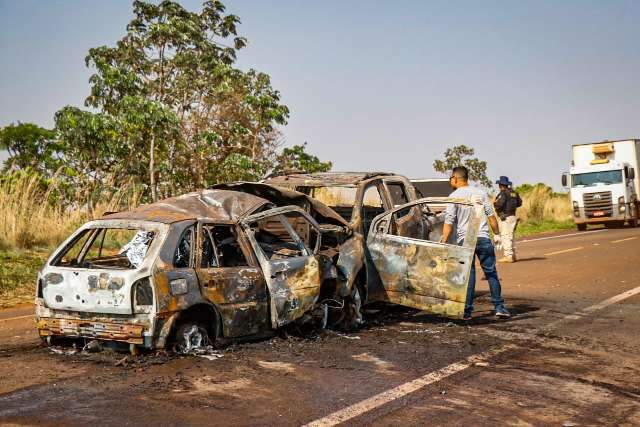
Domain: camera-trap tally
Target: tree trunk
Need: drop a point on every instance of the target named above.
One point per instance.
(152, 172)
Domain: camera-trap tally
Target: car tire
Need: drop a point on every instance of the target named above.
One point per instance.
(191, 336)
(581, 227)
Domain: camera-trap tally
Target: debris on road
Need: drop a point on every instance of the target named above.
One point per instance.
(93, 346)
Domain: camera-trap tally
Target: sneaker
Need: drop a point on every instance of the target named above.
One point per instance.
(502, 313)
(466, 317)
(506, 259)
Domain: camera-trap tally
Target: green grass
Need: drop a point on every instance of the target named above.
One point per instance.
(18, 272)
(545, 226)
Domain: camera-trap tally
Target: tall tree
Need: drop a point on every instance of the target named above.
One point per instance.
(184, 61)
(92, 150)
(461, 155)
(297, 159)
(29, 147)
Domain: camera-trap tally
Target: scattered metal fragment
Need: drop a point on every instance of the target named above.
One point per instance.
(93, 346)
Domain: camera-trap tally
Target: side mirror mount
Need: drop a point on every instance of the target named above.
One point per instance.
(632, 173)
(564, 180)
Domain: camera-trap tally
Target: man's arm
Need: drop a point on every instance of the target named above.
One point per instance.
(446, 232)
(450, 216)
(493, 222)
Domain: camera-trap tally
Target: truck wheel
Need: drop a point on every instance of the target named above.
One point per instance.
(636, 214)
(581, 227)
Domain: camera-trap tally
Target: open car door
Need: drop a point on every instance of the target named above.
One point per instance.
(286, 241)
(422, 273)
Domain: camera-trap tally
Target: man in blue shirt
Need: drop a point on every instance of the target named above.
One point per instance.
(459, 215)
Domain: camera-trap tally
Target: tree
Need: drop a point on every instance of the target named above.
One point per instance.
(297, 159)
(170, 113)
(460, 155)
(29, 147)
(92, 152)
(182, 62)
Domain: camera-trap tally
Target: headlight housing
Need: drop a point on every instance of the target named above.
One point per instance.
(576, 209)
(142, 296)
(621, 205)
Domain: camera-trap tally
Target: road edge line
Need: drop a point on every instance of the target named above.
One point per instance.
(402, 390)
(371, 403)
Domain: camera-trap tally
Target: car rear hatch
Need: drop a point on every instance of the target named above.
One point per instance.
(95, 269)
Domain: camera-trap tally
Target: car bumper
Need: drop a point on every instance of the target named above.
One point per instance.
(136, 330)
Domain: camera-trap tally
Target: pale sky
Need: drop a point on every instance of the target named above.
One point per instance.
(376, 85)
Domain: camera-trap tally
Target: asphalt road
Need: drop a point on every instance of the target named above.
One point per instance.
(570, 356)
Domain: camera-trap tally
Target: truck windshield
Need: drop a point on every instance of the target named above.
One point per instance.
(595, 178)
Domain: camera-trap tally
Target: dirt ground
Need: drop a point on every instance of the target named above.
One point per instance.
(570, 356)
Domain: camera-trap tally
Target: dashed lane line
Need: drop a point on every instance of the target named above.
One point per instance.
(624, 240)
(564, 251)
(402, 390)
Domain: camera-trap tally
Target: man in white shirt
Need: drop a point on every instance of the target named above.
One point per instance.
(459, 215)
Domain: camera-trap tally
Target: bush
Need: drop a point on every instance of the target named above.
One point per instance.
(540, 204)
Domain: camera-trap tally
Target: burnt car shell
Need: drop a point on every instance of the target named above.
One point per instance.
(232, 263)
(394, 253)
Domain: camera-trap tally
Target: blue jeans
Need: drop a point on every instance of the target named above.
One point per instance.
(487, 257)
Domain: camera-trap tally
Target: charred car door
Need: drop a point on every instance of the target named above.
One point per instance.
(422, 273)
(230, 281)
(286, 241)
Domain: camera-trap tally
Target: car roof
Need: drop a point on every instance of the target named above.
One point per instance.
(323, 179)
(281, 196)
(217, 205)
(428, 179)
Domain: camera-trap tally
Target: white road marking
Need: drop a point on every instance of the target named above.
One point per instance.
(15, 318)
(612, 300)
(624, 240)
(586, 311)
(402, 390)
(564, 251)
(562, 235)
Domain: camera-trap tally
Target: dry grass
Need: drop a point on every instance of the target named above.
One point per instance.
(541, 204)
(31, 225)
(543, 211)
(29, 220)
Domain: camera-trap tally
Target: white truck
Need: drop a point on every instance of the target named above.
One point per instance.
(604, 183)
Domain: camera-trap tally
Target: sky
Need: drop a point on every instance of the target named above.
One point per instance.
(376, 85)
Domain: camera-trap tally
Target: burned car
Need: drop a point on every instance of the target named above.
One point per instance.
(393, 253)
(205, 266)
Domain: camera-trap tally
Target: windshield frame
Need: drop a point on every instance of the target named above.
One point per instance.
(161, 231)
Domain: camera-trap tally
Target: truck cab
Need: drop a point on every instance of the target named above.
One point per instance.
(603, 183)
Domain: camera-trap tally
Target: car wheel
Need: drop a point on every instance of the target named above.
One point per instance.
(191, 336)
(581, 227)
